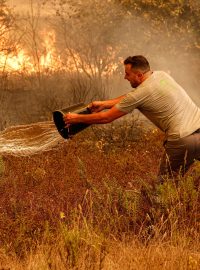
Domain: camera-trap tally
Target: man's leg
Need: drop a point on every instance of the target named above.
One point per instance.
(178, 156)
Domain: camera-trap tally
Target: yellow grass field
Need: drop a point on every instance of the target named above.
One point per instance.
(91, 203)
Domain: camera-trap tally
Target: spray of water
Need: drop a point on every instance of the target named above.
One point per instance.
(31, 139)
(170, 43)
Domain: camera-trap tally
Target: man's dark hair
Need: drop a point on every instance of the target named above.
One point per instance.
(138, 62)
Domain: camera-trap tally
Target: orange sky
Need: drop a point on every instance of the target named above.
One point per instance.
(21, 6)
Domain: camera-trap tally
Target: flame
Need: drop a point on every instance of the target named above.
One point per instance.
(19, 62)
(50, 60)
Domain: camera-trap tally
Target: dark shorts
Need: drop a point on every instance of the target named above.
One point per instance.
(179, 155)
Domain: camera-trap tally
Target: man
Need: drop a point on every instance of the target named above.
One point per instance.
(162, 101)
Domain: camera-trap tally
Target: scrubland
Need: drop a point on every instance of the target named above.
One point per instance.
(92, 203)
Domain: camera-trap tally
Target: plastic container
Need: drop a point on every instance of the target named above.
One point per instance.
(67, 133)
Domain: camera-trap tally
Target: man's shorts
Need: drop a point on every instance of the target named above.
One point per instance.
(179, 155)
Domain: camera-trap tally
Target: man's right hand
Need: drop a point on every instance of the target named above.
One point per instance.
(97, 106)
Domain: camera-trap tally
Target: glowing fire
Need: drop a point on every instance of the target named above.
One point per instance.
(22, 62)
(50, 60)
(18, 62)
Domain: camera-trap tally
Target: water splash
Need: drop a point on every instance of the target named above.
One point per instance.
(30, 139)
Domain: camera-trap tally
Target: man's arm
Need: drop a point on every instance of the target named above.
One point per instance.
(94, 118)
(97, 106)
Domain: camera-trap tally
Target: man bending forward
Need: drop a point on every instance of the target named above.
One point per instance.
(164, 102)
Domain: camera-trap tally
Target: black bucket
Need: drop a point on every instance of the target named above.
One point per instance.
(66, 133)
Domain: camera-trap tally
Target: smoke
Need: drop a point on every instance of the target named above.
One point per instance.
(169, 45)
(98, 35)
(168, 39)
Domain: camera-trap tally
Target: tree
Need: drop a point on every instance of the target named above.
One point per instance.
(167, 32)
(87, 43)
(6, 47)
(6, 24)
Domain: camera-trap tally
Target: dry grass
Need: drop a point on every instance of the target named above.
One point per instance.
(117, 256)
(89, 204)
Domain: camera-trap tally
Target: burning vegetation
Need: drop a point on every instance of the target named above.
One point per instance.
(90, 203)
(58, 54)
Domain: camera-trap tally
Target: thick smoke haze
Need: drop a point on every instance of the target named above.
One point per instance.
(165, 47)
(103, 34)
(169, 48)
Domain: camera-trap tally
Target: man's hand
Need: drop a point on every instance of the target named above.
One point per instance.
(71, 118)
(97, 106)
(93, 118)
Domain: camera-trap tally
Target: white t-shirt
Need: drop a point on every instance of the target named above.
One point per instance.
(165, 103)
